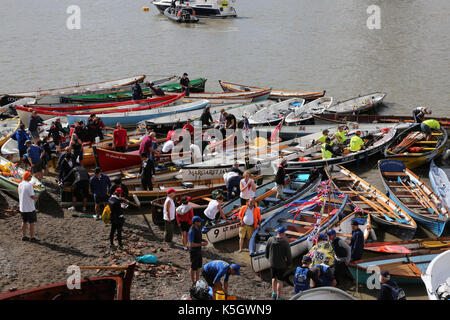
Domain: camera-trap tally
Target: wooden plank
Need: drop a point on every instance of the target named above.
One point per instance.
(298, 234)
(304, 223)
(347, 235)
(394, 174)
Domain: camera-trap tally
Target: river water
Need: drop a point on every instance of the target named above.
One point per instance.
(290, 44)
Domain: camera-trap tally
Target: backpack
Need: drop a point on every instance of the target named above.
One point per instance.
(216, 192)
(106, 215)
(397, 292)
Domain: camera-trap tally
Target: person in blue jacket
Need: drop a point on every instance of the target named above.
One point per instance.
(100, 187)
(357, 242)
(214, 271)
(322, 276)
(302, 275)
(21, 137)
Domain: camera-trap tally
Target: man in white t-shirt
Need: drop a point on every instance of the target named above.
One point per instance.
(248, 188)
(168, 146)
(26, 206)
(196, 153)
(169, 215)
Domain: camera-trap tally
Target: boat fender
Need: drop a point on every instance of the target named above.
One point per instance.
(149, 258)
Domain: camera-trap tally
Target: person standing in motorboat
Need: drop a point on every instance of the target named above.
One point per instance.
(185, 84)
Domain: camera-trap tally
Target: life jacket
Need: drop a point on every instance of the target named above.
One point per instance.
(301, 279)
(325, 153)
(323, 253)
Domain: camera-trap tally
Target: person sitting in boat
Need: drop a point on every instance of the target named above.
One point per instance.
(137, 92)
(322, 252)
(389, 290)
(419, 114)
(327, 151)
(157, 91)
(322, 137)
(357, 242)
(322, 276)
(214, 210)
(340, 135)
(214, 271)
(356, 143)
(428, 125)
(206, 118)
(185, 84)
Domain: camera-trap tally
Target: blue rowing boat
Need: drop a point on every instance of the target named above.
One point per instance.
(412, 195)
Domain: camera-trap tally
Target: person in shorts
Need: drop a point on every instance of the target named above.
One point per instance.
(184, 214)
(100, 188)
(250, 217)
(196, 243)
(27, 207)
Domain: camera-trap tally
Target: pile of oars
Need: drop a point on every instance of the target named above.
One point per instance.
(411, 139)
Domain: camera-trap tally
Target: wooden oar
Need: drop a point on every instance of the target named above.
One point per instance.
(401, 220)
(427, 199)
(373, 205)
(418, 199)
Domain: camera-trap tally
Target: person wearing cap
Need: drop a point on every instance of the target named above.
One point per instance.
(120, 138)
(184, 215)
(250, 217)
(146, 172)
(34, 124)
(356, 143)
(280, 178)
(322, 276)
(278, 252)
(389, 289)
(80, 185)
(27, 197)
(196, 243)
(169, 215)
(117, 217)
(322, 252)
(117, 183)
(342, 255)
(419, 114)
(427, 126)
(357, 242)
(302, 275)
(214, 271)
(100, 187)
(21, 137)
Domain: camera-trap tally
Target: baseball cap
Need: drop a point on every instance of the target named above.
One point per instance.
(323, 236)
(281, 229)
(197, 219)
(171, 190)
(385, 274)
(355, 223)
(236, 268)
(119, 190)
(331, 232)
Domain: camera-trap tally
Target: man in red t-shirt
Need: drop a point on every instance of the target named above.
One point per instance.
(120, 139)
(188, 127)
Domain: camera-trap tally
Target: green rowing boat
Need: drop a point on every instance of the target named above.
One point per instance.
(198, 85)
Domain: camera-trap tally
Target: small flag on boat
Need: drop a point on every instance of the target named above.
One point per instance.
(276, 132)
(247, 131)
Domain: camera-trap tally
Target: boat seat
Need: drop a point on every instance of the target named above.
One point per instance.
(303, 223)
(289, 191)
(394, 174)
(294, 233)
(272, 200)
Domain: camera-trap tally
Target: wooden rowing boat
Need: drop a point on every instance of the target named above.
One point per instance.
(300, 224)
(93, 288)
(7, 128)
(304, 114)
(384, 211)
(373, 118)
(436, 277)
(358, 104)
(412, 195)
(297, 186)
(255, 95)
(439, 179)
(414, 149)
(275, 94)
(403, 268)
(24, 112)
(10, 177)
(8, 98)
(408, 246)
(273, 114)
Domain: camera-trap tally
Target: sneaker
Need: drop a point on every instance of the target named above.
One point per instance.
(25, 239)
(274, 296)
(34, 240)
(72, 208)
